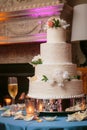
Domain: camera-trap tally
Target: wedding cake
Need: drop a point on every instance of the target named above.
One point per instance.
(55, 74)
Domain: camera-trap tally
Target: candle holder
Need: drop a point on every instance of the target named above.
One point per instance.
(7, 100)
(40, 105)
(30, 107)
(36, 107)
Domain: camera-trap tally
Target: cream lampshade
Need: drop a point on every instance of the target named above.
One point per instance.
(79, 23)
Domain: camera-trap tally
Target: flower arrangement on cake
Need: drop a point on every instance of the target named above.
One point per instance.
(59, 77)
(57, 22)
(36, 60)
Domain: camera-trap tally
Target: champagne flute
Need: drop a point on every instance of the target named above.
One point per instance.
(12, 88)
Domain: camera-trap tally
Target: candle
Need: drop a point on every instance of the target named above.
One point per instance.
(7, 100)
(30, 110)
(40, 107)
(29, 107)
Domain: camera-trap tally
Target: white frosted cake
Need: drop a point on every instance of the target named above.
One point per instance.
(55, 74)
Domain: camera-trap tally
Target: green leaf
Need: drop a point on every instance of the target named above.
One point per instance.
(39, 61)
(76, 77)
(44, 78)
(56, 23)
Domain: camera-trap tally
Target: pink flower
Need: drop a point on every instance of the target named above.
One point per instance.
(57, 22)
(50, 24)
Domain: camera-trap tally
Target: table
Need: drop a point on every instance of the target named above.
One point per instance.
(8, 123)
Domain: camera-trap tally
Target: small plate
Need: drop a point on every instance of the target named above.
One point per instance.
(26, 118)
(48, 118)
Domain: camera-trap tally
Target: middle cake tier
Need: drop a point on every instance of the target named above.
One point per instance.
(50, 69)
(56, 53)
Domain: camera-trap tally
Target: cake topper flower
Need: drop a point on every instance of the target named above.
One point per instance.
(36, 60)
(57, 22)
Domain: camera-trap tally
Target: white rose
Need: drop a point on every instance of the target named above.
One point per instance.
(57, 74)
(61, 84)
(65, 75)
(63, 22)
(36, 58)
(65, 26)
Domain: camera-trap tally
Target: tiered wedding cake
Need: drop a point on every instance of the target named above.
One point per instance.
(55, 74)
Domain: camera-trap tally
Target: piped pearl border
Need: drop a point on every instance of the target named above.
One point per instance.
(55, 97)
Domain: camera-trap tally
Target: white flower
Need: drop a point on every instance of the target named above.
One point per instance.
(57, 22)
(65, 75)
(36, 58)
(61, 84)
(63, 22)
(57, 74)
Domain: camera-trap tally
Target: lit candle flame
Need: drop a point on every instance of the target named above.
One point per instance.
(40, 107)
(83, 104)
(8, 101)
(30, 110)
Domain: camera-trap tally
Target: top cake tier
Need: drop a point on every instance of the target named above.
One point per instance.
(56, 35)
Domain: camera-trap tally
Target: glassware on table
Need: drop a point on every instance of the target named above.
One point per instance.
(29, 106)
(12, 88)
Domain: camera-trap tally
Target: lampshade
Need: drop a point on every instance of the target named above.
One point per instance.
(79, 23)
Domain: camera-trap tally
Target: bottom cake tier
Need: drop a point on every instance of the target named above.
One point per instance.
(43, 90)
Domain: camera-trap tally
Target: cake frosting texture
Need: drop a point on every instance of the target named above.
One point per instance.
(56, 53)
(57, 76)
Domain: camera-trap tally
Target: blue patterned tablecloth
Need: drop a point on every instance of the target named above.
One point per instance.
(8, 123)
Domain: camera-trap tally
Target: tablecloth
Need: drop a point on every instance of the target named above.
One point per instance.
(8, 123)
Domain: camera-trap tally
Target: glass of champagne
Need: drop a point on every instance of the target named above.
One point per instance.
(13, 88)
